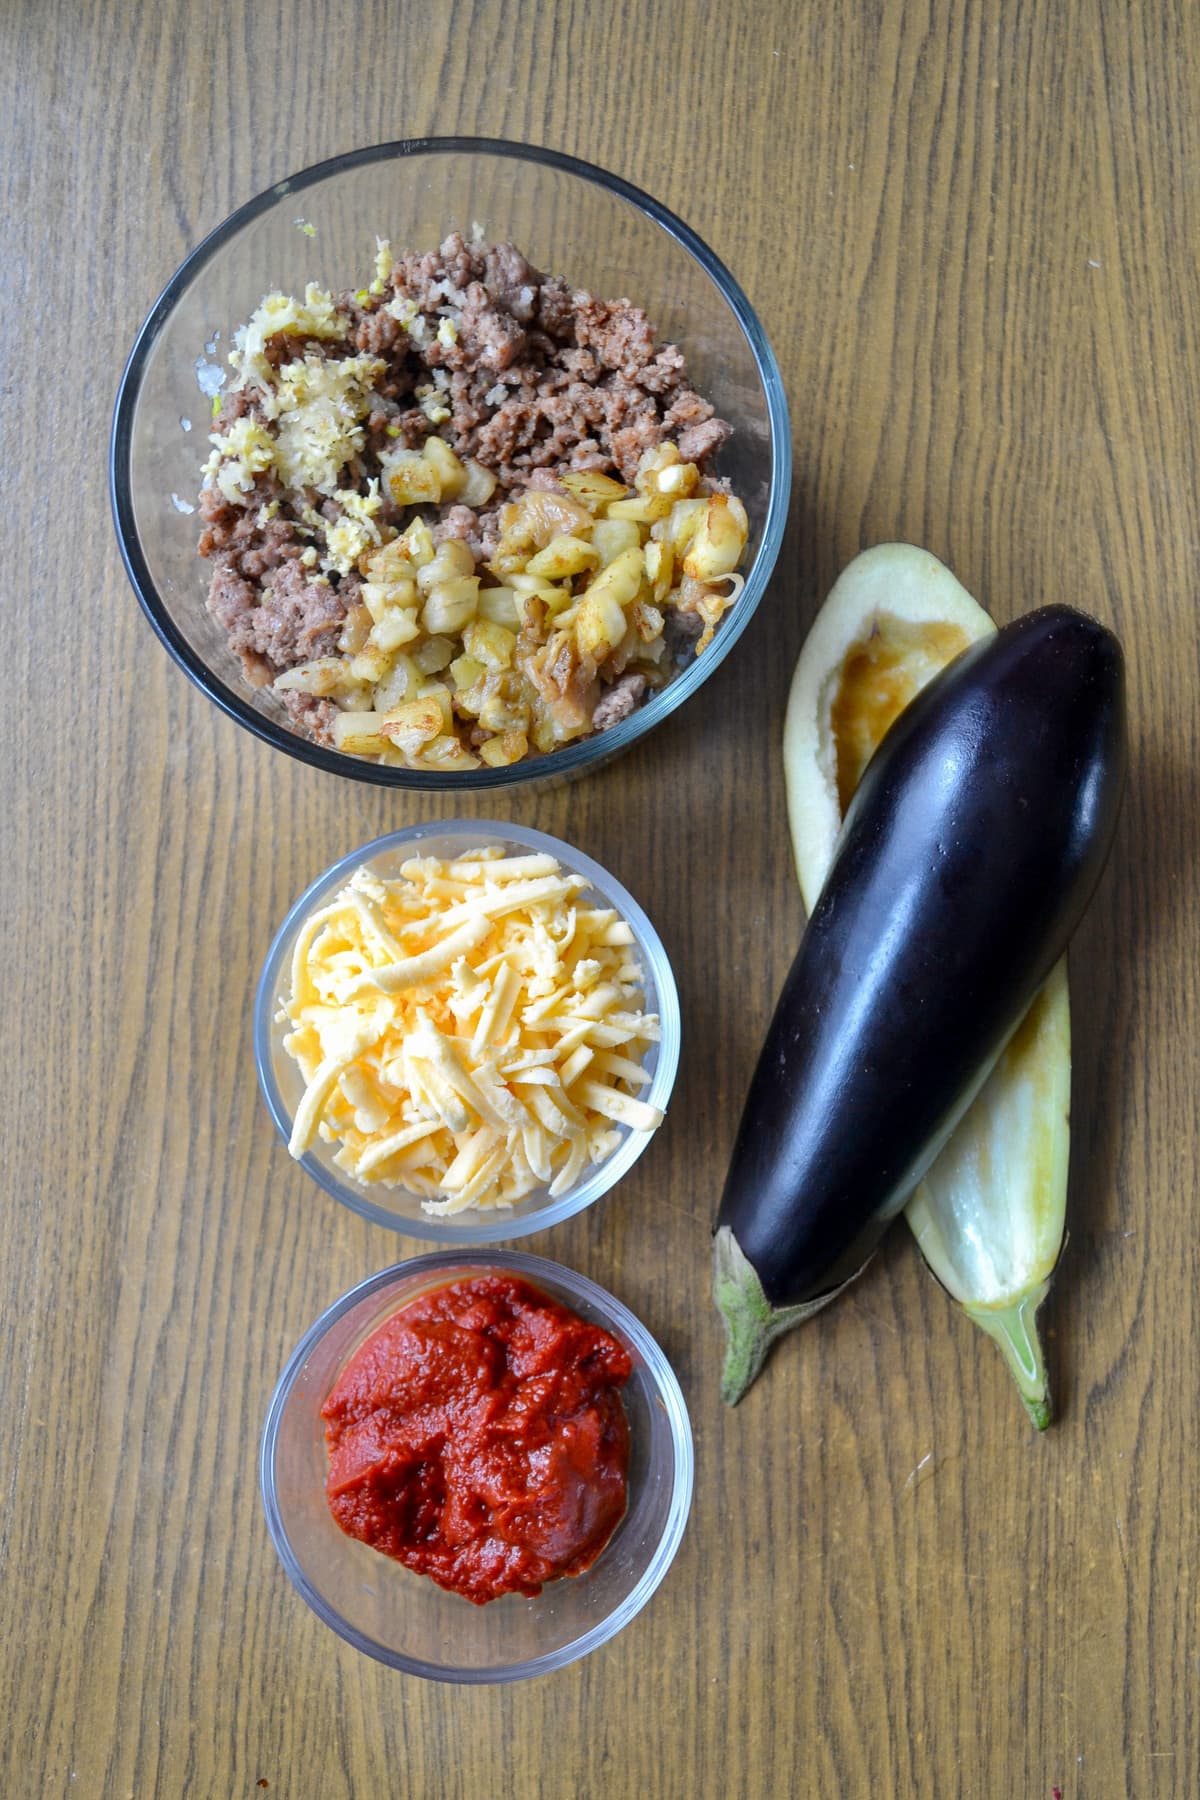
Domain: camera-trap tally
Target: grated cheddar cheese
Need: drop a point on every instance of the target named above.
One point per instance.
(471, 1032)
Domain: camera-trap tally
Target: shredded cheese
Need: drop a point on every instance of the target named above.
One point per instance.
(471, 1032)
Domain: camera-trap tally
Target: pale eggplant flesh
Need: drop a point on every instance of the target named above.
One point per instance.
(967, 856)
(990, 1214)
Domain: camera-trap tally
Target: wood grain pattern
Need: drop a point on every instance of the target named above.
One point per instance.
(971, 232)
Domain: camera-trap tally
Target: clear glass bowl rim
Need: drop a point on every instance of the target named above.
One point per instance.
(573, 758)
(618, 1317)
(476, 1228)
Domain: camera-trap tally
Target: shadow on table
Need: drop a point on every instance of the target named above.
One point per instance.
(1122, 945)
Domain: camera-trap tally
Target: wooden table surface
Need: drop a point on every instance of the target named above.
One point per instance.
(971, 231)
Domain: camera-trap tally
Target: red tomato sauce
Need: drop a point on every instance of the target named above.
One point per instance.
(479, 1438)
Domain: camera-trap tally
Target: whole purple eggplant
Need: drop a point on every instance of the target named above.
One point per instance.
(967, 857)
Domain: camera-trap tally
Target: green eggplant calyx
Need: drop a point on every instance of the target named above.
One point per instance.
(1014, 1329)
(751, 1323)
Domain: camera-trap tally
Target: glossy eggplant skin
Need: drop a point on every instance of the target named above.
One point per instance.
(966, 859)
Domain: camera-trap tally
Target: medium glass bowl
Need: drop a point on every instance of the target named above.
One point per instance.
(283, 1084)
(570, 219)
(404, 1619)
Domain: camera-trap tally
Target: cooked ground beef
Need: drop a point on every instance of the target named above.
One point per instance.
(511, 368)
(477, 530)
(681, 630)
(618, 702)
(295, 619)
(312, 715)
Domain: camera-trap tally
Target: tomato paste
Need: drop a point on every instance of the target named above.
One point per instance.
(479, 1438)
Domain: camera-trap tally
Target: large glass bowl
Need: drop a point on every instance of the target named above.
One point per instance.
(402, 1618)
(570, 219)
(282, 1083)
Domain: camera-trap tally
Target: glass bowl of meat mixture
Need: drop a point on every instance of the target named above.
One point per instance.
(450, 463)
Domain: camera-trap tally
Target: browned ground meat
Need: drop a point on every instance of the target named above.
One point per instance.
(537, 379)
(681, 631)
(312, 715)
(230, 596)
(460, 522)
(699, 442)
(585, 385)
(296, 619)
(619, 702)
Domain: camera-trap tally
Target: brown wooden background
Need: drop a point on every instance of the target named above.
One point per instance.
(972, 233)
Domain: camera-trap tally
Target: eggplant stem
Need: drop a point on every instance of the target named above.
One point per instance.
(751, 1323)
(1014, 1329)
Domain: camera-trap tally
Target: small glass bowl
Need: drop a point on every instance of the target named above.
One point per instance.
(404, 1619)
(282, 1083)
(570, 218)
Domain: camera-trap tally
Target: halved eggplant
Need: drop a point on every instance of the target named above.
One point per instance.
(968, 854)
(990, 1214)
